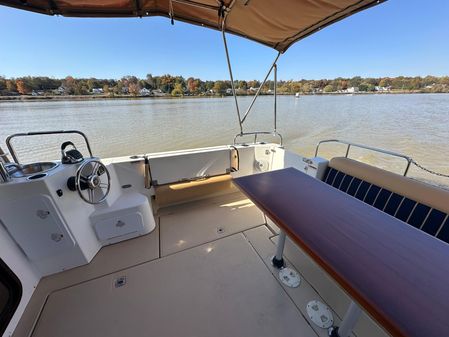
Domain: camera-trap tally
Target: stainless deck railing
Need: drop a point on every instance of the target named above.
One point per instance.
(366, 147)
(257, 133)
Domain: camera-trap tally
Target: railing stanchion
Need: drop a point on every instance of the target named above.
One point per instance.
(348, 323)
(278, 260)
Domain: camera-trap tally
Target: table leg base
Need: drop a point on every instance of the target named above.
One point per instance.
(279, 264)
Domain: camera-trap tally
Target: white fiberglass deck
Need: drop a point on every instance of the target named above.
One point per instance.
(218, 289)
(217, 283)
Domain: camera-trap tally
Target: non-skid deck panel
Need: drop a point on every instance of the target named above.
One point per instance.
(195, 223)
(108, 260)
(218, 289)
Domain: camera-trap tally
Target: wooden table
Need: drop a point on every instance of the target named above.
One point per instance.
(398, 274)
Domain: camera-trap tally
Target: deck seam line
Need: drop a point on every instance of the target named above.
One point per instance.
(283, 289)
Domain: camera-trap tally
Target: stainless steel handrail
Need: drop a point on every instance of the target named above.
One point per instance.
(256, 133)
(40, 133)
(366, 147)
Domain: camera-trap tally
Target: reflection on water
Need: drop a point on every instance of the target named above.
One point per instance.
(412, 124)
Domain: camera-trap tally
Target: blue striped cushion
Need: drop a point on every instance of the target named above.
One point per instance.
(431, 221)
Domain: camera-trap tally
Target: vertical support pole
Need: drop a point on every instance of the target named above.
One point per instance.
(3, 156)
(232, 77)
(409, 161)
(278, 260)
(348, 323)
(275, 95)
(347, 150)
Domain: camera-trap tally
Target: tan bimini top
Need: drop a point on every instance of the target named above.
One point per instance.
(275, 23)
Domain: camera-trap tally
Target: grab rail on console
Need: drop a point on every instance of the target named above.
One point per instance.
(40, 133)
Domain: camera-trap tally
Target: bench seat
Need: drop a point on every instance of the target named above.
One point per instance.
(419, 204)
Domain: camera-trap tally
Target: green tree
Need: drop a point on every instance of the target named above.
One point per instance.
(219, 87)
(385, 82)
(355, 81)
(178, 90)
(2, 83)
(11, 85)
(306, 88)
(254, 84)
(150, 82)
(328, 88)
(363, 86)
(243, 85)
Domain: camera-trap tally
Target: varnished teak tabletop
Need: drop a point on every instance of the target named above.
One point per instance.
(397, 273)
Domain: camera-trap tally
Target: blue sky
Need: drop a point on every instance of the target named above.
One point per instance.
(399, 37)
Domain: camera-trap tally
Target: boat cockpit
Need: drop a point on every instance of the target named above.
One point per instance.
(248, 239)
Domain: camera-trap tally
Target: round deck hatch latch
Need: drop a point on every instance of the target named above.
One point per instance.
(320, 314)
(289, 277)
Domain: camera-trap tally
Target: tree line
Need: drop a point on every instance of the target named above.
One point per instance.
(179, 86)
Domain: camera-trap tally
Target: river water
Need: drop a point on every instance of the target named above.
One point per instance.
(416, 125)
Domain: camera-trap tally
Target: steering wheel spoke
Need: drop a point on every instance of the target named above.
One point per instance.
(103, 186)
(95, 168)
(90, 194)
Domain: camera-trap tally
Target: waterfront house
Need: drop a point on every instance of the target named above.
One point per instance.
(352, 90)
(60, 90)
(97, 91)
(145, 92)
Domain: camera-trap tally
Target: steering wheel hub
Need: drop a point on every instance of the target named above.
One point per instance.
(93, 181)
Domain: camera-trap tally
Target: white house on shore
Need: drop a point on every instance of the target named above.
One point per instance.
(97, 91)
(382, 89)
(145, 92)
(352, 90)
(60, 90)
(158, 93)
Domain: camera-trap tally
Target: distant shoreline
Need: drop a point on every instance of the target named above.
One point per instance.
(128, 97)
